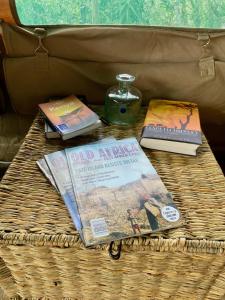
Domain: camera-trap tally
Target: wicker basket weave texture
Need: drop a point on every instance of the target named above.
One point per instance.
(45, 256)
(90, 274)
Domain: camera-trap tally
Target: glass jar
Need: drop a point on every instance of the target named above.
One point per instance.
(123, 102)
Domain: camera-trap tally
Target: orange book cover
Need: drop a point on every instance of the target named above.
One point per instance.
(172, 120)
(68, 114)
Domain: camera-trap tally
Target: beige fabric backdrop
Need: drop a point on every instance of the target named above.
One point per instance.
(173, 64)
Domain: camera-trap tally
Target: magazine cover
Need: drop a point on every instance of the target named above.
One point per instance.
(68, 114)
(173, 120)
(57, 164)
(118, 192)
(46, 171)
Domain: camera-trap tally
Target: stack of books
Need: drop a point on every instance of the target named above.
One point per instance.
(68, 117)
(111, 190)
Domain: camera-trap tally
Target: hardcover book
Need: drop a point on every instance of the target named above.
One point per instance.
(51, 133)
(118, 192)
(70, 117)
(172, 126)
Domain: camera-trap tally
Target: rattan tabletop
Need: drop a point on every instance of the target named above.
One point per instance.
(33, 213)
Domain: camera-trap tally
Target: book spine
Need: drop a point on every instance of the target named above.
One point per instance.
(50, 124)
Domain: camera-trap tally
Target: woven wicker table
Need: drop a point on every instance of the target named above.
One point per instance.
(42, 255)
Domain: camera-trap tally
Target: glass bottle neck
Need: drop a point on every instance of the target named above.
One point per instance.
(123, 86)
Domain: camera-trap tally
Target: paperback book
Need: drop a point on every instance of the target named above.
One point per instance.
(69, 117)
(52, 133)
(172, 126)
(118, 192)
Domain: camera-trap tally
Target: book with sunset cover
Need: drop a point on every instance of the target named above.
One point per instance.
(70, 117)
(172, 126)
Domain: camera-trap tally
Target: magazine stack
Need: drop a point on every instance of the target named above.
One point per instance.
(111, 190)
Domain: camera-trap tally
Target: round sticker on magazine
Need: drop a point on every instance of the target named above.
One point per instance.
(170, 214)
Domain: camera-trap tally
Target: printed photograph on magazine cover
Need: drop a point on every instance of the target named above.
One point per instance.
(118, 192)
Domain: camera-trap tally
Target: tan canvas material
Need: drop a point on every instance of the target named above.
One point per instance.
(173, 64)
(2, 96)
(13, 128)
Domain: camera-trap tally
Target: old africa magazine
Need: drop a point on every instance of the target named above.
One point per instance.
(118, 192)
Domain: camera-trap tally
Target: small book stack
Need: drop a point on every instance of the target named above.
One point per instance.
(111, 190)
(68, 117)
